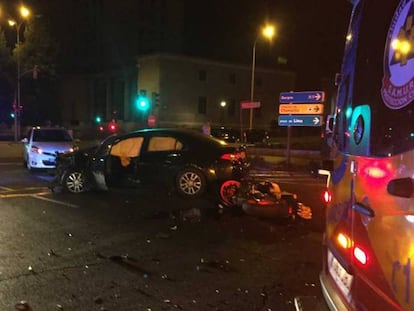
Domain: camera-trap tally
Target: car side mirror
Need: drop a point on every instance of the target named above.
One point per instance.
(25, 140)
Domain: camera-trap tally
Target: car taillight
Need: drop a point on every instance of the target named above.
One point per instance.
(358, 253)
(233, 156)
(327, 196)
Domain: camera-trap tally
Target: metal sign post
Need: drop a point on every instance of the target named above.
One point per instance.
(299, 109)
(247, 105)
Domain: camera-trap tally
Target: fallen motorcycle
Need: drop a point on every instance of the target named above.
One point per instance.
(263, 198)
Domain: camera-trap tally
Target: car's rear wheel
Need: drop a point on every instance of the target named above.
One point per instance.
(191, 183)
(75, 181)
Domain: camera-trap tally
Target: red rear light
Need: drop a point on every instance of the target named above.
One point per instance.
(233, 156)
(358, 253)
(327, 197)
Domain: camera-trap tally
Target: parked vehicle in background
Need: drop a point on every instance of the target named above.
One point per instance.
(369, 235)
(184, 160)
(42, 145)
(249, 136)
(227, 134)
(256, 137)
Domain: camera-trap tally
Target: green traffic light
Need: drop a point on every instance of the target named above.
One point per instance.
(98, 119)
(142, 103)
(12, 115)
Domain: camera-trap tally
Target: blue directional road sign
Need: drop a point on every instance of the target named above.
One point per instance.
(300, 120)
(302, 97)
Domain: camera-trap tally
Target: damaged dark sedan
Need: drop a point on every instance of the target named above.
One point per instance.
(184, 160)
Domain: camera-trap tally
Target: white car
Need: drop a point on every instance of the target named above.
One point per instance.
(42, 145)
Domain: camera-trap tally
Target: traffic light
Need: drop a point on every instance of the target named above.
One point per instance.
(12, 115)
(142, 102)
(112, 126)
(155, 99)
(98, 119)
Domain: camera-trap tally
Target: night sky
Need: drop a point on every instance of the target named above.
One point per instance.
(310, 34)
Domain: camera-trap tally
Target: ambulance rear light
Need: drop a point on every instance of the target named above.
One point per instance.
(360, 255)
(344, 241)
(326, 196)
(347, 244)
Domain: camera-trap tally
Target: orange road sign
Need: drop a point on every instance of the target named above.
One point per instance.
(301, 109)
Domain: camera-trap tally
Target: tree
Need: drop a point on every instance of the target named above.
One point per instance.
(5, 56)
(38, 94)
(37, 48)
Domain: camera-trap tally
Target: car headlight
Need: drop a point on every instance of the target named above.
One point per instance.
(36, 149)
(74, 148)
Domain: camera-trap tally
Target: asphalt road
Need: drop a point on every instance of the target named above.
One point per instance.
(146, 250)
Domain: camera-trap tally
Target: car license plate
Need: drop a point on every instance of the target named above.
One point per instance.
(338, 273)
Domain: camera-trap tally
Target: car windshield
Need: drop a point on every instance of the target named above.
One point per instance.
(52, 135)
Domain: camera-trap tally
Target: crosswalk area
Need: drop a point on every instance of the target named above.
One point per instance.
(6, 192)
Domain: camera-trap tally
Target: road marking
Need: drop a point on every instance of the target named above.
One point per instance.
(5, 188)
(38, 196)
(15, 195)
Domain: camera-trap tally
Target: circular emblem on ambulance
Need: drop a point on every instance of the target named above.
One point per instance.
(398, 81)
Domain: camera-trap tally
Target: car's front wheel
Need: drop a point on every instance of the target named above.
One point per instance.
(75, 181)
(27, 164)
(191, 183)
(227, 192)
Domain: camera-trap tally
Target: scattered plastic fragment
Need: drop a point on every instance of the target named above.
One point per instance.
(161, 235)
(52, 253)
(59, 307)
(23, 306)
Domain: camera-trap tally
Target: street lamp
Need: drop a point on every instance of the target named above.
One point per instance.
(24, 13)
(268, 31)
(223, 105)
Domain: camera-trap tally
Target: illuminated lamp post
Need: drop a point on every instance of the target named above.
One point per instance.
(268, 32)
(24, 13)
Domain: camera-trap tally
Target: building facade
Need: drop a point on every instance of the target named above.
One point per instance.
(187, 91)
(183, 91)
